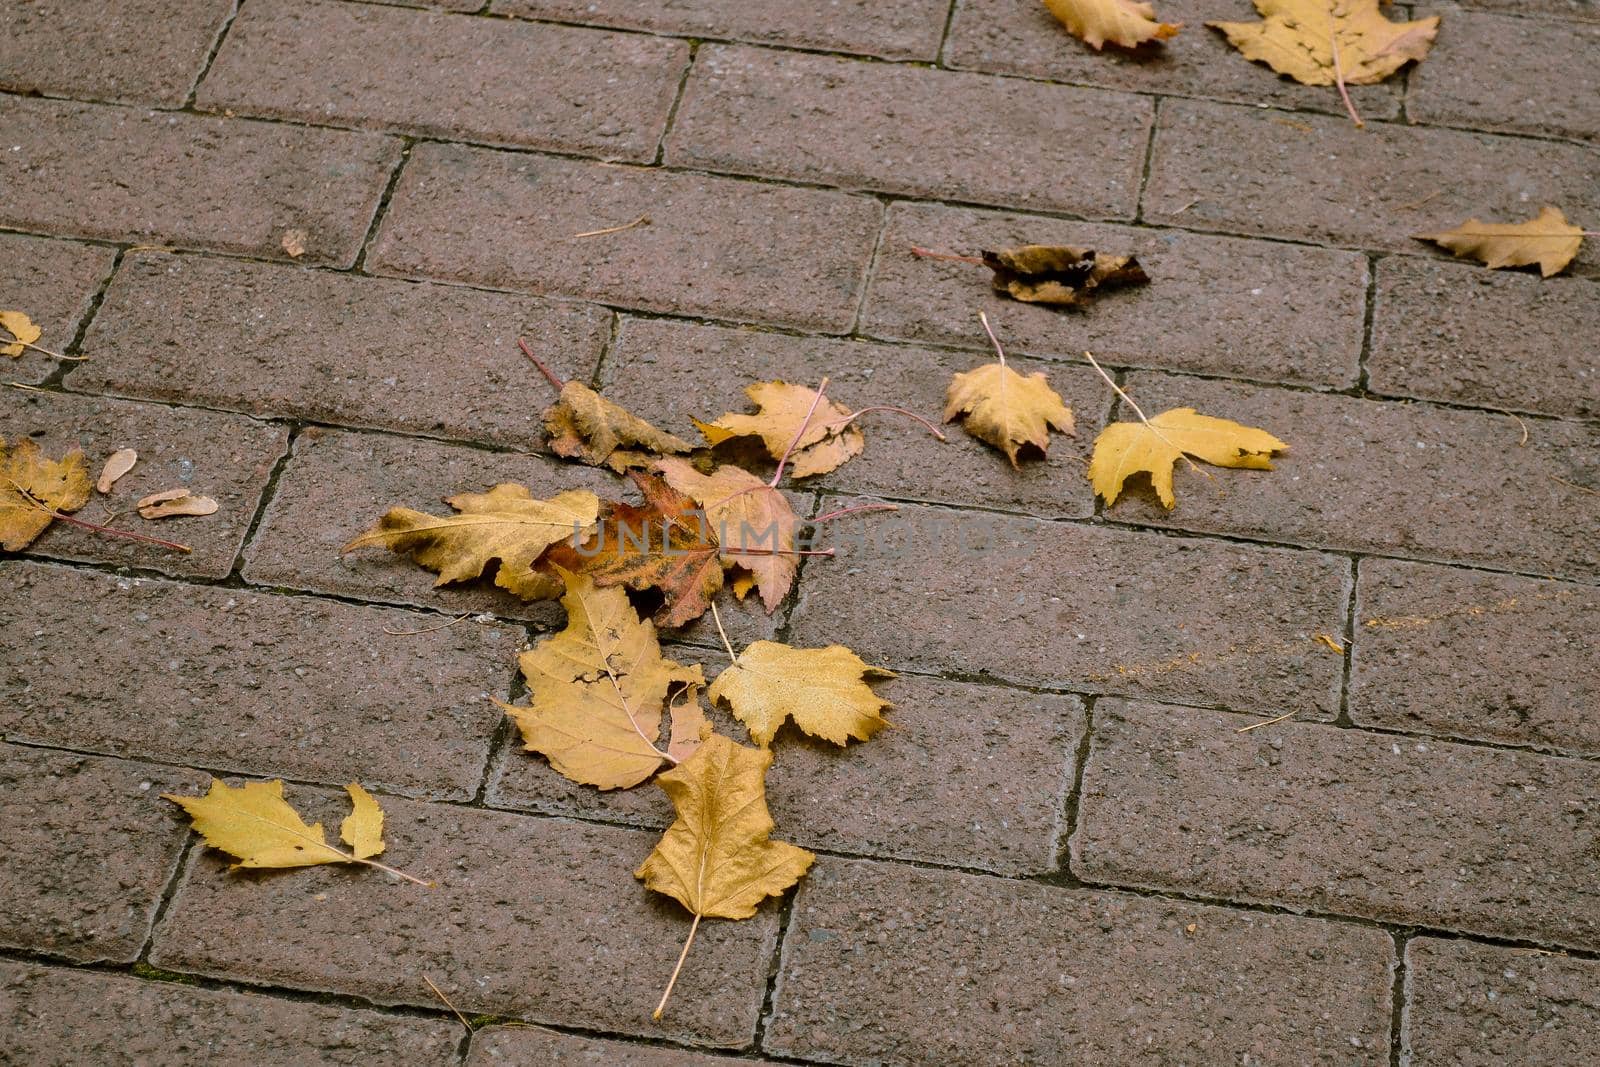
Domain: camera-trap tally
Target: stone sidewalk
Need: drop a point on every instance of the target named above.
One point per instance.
(1066, 852)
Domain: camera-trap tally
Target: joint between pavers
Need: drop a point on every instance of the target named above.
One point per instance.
(1149, 159)
(59, 372)
(1369, 316)
(211, 56)
(1400, 997)
(381, 212)
(660, 154)
(269, 492)
(1349, 633)
(869, 271)
(939, 58)
(169, 891)
(1067, 814)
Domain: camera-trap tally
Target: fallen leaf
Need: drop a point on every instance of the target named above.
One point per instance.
(716, 859)
(584, 425)
(1316, 41)
(597, 690)
(1060, 274)
(689, 725)
(824, 690)
(119, 463)
(362, 829)
(22, 329)
(1548, 241)
(171, 503)
(1006, 410)
(256, 826)
(783, 407)
(31, 486)
(1124, 449)
(754, 522)
(505, 524)
(1122, 22)
(294, 243)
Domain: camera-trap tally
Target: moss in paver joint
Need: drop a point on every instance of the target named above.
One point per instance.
(158, 974)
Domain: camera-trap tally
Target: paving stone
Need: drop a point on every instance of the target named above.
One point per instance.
(226, 457)
(534, 1046)
(1212, 303)
(1417, 832)
(1470, 1004)
(429, 359)
(558, 87)
(969, 776)
(534, 918)
(250, 682)
(909, 30)
(55, 1016)
(714, 246)
(1465, 335)
(336, 485)
(1520, 75)
(893, 965)
(1393, 478)
(140, 51)
(904, 129)
(658, 369)
(54, 282)
(89, 849)
(1242, 170)
(225, 185)
(1070, 605)
(1005, 37)
(1577, 9)
(1483, 656)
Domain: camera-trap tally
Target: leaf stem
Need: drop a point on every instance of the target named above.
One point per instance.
(717, 618)
(661, 1007)
(1338, 69)
(12, 339)
(783, 460)
(96, 527)
(996, 341)
(884, 407)
(390, 870)
(440, 994)
(537, 362)
(949, 257)
(854, 509)
(1137, 410)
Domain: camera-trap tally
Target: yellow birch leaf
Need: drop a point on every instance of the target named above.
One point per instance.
(1297, 39)
(1548, 241)
(505, 524)
(1006, 410)
(362, 829)
(1124, 449)
(585, 426)
(29, 480)
(21, 328)
(823, 689)
(782, 409)
(754, 523)
(1126, 23)
(257, 826)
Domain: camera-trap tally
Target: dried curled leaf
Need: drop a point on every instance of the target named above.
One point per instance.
(754, 523)
(829, 440)
(118, 463)
(170, 503)
(506, 524)
(32, 486)
(1060, 274)
(824, 690)
(1006, 410)
(256, 826)
(1548, 241)
(1297, 39)
(1126, 23)
(597, 690)
(585, 426)
(1124, 449)
(21, 328)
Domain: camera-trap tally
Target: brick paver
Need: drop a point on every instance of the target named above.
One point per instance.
(713, 246)
(1471, 1005)
(1342, 821)
(953, 136)
(1212, 306)
(53, 282)
(907, 30)
(1510, 660)
(472, 79)
(138, 51)
(59, 1016)
(892, 965)
(250, 682)
(538, 918)
(280, 340)
(226, 457)
(89, 849)
(1062, 604)
(520, 1045)
(1311, 178)
(1461, 334)
(1376, 476)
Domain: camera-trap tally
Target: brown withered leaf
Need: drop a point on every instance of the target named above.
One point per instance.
(754, 523)
(1060, 274)
(119, 463)
(585, 426)
(32, 486)
(174, 503)
(824, 690)
(783, 407)
(1548, 241)
(506, 524)
(1126, 23)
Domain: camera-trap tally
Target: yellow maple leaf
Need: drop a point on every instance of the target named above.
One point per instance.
(754, 522)
(1548, 241)
(716, 859)
(783, 408)
(823, 689)
(31, 487)
(505, 524)
(584, 425)
(1127, 23)
(1007, 410)
(597, 690)
(1124, 449)
(1316, 42)
(256, 826)
(22, 330)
